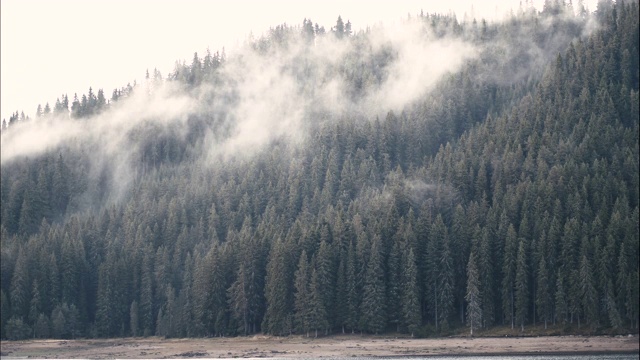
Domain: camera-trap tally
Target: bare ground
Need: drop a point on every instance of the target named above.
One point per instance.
(295, 346)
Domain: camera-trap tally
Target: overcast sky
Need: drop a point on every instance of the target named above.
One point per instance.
(51, 47)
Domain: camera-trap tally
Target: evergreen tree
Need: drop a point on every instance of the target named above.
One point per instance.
(474, 309)
(317, 312)
(543, 297)
(339, 28)
(487, 278)
(373, 316)
(588, 296)
(4, 313)
(35, 306)
(509, 275)
(19, 294)
(562, 308)
(521, 286)
(353, 295)
(302, 301)
(445, 284)
(324, 265)
(133, 318)
(410, 296)
(278, 317)
(394, 288)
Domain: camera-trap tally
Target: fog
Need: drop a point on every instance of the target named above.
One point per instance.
(282, 92)
(271, 93)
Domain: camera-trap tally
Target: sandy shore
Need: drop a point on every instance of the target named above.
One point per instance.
(296, 346)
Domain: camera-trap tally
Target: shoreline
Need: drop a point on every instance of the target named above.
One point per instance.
(261, 346)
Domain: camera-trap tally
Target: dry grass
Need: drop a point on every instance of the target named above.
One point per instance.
(261, 346)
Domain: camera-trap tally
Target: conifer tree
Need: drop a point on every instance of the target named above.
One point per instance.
(239, 298)
(324, 264)
(277, 293)
(372, 310)
(19, 293)
(445, 284)
(394, 288)
(317, 312)
(588, 296)
(474, 308)
(145, 311)
(35, 306)
(610, 306)
(302, 301)
(410, 296)
(521, 286)
(4, 312)
(561, 306)
(133, 318)
(509, 275)
(543, 300)
(353, 298)
(487, 279)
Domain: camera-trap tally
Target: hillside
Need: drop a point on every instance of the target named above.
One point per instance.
(417, 179)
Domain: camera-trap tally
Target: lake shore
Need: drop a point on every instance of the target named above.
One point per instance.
(260, 346)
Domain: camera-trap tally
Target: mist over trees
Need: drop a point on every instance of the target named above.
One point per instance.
(445, 175)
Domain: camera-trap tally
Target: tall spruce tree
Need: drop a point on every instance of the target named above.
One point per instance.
(474, 301)
(278, 316)
(521, 286)
(509, 275)
(372, 310)
(302, 301)
(410, 295)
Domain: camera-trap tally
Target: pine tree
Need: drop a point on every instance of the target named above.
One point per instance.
(133, 318)
(145, 311)
(445, 284)
(105, 321)
(35, 306)
(474, 309)
(460, 245)
(373, 298)
(317, 312)
(344, 280)
(509, 276)
(277, 293)
(610, 306)
(353, 298)
(339, 28)
(588, 296)
(302, 295)
(543, 292)
(433, 274)
(562, 308)
(19, 294)
(4, 313)
(394, 287)
(487, 278)
(324, 265)
(522, 286)
(410, 296)
(239, 296)
(41, 328)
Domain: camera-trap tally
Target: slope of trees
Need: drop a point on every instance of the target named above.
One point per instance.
(484, 202)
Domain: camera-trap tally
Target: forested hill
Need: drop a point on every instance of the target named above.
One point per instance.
(443, 177)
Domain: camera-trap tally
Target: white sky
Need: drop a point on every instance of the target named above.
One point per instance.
(51, 47)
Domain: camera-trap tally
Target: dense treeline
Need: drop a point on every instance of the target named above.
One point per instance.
(491, 200)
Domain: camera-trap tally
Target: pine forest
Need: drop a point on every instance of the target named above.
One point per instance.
(456, 176)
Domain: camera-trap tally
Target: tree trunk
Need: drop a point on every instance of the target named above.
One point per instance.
(512, 312)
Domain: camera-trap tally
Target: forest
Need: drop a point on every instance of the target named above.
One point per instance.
(454, 174)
